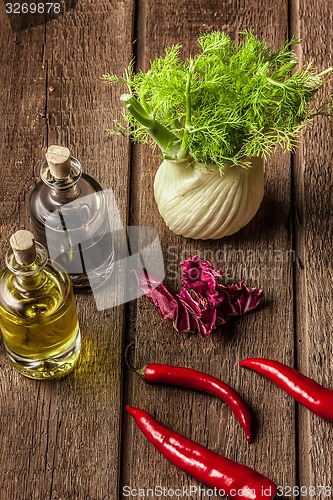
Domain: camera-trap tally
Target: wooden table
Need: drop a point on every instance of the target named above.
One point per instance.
(71, 439)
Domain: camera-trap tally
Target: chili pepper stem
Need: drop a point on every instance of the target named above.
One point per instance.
(138, 371)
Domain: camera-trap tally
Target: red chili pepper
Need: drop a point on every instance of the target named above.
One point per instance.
(230, 478)
(199, 381)
(305, 390)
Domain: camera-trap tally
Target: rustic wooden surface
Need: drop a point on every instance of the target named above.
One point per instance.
(72, 439)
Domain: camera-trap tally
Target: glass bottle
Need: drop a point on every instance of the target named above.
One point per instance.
(70, 217)
(38, 316)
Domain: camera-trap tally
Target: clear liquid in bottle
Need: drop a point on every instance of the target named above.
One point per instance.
(70, 217)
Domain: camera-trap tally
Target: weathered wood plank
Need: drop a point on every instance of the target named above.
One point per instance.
(23, 123)
(266, 333)
(65, 435)
(313, 233)
(79, 113)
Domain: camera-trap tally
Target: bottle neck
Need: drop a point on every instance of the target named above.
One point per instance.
(31, 282)
(66, 189)
(30, 276)
(63, 196)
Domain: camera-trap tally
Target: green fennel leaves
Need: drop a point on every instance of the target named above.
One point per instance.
(228, 103)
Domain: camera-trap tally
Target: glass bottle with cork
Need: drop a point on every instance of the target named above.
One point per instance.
(70, 217)
(38, 318)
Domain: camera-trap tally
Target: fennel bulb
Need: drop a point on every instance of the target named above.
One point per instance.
(210, 115)
(202, 204)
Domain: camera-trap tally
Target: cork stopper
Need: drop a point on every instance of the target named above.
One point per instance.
(59, 161)
(24, 248)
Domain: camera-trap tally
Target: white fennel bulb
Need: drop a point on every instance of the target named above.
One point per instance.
(231, 101)
(205, 204)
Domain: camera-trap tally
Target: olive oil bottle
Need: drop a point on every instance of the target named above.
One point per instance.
(38, 316)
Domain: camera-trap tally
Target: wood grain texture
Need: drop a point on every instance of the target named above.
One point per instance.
(261, 252)
(23, 137)
(72, 439)
(61, 440)
(313, 234)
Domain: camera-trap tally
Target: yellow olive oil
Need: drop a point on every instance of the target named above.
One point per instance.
(38, 318)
